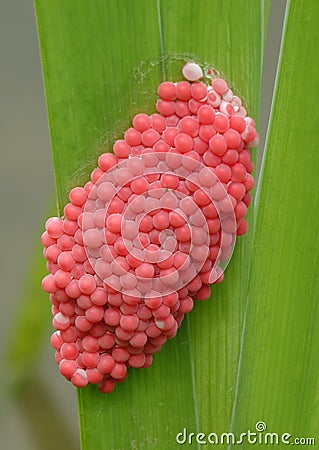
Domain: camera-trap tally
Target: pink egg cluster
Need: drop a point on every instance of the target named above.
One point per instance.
(145, 237)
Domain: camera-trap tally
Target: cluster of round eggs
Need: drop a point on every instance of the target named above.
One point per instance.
(150, 231)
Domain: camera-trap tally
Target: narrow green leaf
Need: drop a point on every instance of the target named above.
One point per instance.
(278, 381)
(32, 319)
(235, 48)
(43, 417)
(102, 62)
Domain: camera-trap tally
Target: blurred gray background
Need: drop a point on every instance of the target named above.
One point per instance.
(27, 186)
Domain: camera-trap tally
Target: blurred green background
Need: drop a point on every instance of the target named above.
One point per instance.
(38, 408)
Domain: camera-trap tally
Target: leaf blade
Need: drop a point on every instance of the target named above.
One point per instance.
(33, 318)
(218, 322)
(77, 78)
(278, 382)
(172, 403)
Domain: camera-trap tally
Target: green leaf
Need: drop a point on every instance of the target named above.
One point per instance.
(33, 317)
(102, 62)
(278, 378)
(215, 326)
(93, 54)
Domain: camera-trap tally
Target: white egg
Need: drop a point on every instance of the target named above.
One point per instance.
(192, 72)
